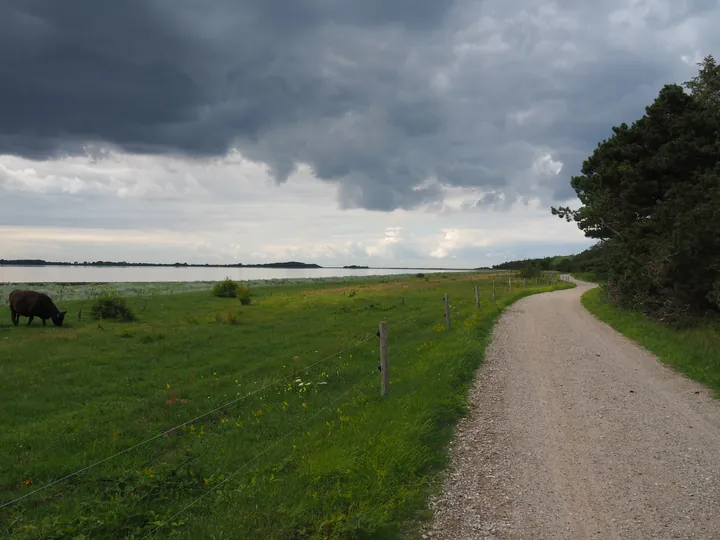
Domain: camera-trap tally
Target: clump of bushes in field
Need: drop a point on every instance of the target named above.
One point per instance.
(228, 288)
(111, 306)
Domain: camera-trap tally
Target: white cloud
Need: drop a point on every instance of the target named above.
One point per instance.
(167, 209)
(547, 166)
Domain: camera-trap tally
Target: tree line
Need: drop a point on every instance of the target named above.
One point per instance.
(650, 195)
(591, 260)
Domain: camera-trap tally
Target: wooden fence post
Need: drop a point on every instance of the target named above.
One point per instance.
(477, 297)
(510, 284)
(384, 371)
(493, 289)
(524, 283)
(447, 312)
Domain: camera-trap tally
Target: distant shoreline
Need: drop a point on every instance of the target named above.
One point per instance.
(123, 264)
(290, 265)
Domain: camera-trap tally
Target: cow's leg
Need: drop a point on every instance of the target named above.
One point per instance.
(12, 316)
(30, 318)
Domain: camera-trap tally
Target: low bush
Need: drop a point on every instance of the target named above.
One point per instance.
(243, 294)
(225, 289)
(111, 306)
(231, 289)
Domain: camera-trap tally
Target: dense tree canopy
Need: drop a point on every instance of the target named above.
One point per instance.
(651, 194)
(591, 260)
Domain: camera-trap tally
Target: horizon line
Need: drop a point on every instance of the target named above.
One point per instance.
(287, 265)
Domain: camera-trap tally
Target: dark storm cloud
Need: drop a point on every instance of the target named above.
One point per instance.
(376, 96)
(140, 74)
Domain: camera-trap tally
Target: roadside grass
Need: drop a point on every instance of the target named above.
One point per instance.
(299, 443)
(692, 351)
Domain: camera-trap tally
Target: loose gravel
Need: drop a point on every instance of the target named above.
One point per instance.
(576, 432)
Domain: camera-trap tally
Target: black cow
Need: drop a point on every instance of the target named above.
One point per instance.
(34, 304)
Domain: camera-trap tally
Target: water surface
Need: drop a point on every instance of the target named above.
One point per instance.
(163, 274)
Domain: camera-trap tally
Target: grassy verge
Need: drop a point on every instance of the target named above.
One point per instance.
(692, 351)
(299, 443)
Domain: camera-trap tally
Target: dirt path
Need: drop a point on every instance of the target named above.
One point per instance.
(576, 432)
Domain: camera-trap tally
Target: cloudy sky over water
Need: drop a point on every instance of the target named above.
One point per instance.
(404, 132)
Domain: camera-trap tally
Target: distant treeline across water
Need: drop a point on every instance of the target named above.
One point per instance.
(40, 262)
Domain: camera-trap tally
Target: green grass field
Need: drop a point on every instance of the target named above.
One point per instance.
(282, 431)
(692, 351)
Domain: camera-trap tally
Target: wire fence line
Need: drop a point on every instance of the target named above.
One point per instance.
(260, 454)
(463, 313)
(291, 432)
(208, 413)
(400, 352)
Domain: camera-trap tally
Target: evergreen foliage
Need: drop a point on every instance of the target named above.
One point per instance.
(651, 195)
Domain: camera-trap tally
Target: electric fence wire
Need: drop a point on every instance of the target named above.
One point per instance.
(201, 416)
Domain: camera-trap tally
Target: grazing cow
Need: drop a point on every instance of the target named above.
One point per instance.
(33, 304)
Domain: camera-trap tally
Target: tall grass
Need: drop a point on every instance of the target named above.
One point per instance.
(299, 444)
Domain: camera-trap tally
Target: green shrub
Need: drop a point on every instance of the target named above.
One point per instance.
(243, 294)
(225, 289)
(111, 306)
(231, 289)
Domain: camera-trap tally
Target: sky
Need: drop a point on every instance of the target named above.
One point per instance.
(403, 133)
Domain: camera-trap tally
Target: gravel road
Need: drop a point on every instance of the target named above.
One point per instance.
(575, 432)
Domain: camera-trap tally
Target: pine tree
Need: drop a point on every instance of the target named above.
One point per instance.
(651, 194)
